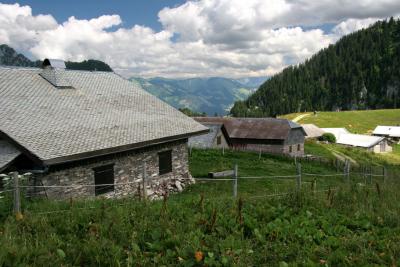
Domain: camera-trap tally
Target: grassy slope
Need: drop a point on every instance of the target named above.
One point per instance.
(354, 121)
(355, 226)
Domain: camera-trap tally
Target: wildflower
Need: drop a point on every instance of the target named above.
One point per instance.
(199, 256)
(19, 216)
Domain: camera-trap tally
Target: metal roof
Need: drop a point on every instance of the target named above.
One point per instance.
(254, 128)
(7, 154)
(359, 140)
(336, 131)
(206, 140)
(54, 63)
(104, 113)
(391, 131)
(312, 130)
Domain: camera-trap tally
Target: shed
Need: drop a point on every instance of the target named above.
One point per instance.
(390, 132)
(371, 143)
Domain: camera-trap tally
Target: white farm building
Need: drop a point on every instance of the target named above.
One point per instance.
(390, 132)
(375, 144)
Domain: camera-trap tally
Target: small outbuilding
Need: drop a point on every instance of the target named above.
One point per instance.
(390, 132)
(375, 144)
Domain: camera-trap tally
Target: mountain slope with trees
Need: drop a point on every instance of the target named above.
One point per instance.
(9, 57)
(361, 71)
(212, 96)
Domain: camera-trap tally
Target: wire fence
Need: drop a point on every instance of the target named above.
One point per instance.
(295, 180)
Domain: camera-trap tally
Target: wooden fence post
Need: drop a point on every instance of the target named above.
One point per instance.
(345, 168)
(235, 181)
(298, 177)
(144, 181)
(348, 172)
(17, 196)
(370, 174)
(259, 154)
(223, 150)
(363, 173)
(384, 174)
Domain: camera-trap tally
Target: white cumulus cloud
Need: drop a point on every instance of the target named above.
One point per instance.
(232, 38)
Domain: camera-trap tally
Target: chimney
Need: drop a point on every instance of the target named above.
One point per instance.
(54, 73)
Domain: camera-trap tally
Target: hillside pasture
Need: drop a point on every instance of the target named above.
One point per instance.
(360, 121)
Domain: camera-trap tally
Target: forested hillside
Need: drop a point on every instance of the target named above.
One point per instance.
(9, 57)
(360, 71)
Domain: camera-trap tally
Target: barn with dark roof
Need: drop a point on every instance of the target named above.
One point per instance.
(277, 136)
(83, 127)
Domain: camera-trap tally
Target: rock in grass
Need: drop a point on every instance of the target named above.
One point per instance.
(178, 186)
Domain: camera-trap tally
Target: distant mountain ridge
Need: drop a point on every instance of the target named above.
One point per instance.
(214, 95)
(9, 57)
(361, 71)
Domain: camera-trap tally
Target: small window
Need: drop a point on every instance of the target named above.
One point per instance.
(165, 162)
(104, 179)
(218, 140)
(298, 147)
(290, 149)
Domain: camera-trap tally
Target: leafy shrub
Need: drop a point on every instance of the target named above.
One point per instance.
(328, 137)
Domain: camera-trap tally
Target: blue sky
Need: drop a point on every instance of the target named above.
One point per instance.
(193, 38)
(141, 12)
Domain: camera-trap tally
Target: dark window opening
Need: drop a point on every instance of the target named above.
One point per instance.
(165, 162)
(218, 140)
(298, 147)
(290, 149)
(104, 179)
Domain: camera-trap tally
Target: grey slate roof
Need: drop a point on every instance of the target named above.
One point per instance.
(102, 111)
(7, 154)
(206, 140)
(56, 77)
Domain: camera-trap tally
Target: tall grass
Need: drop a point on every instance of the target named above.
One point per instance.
(349, 224)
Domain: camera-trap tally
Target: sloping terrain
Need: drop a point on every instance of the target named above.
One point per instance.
(359, 72)
(363, 121)
(210, 95)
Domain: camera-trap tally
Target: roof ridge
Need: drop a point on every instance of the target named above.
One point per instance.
(69, 70)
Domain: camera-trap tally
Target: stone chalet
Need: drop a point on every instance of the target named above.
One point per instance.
(89, 128)
(270, 135)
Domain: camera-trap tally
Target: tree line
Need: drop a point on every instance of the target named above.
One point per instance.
(361, 71)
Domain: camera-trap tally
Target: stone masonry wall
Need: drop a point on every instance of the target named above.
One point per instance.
(127, 169)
